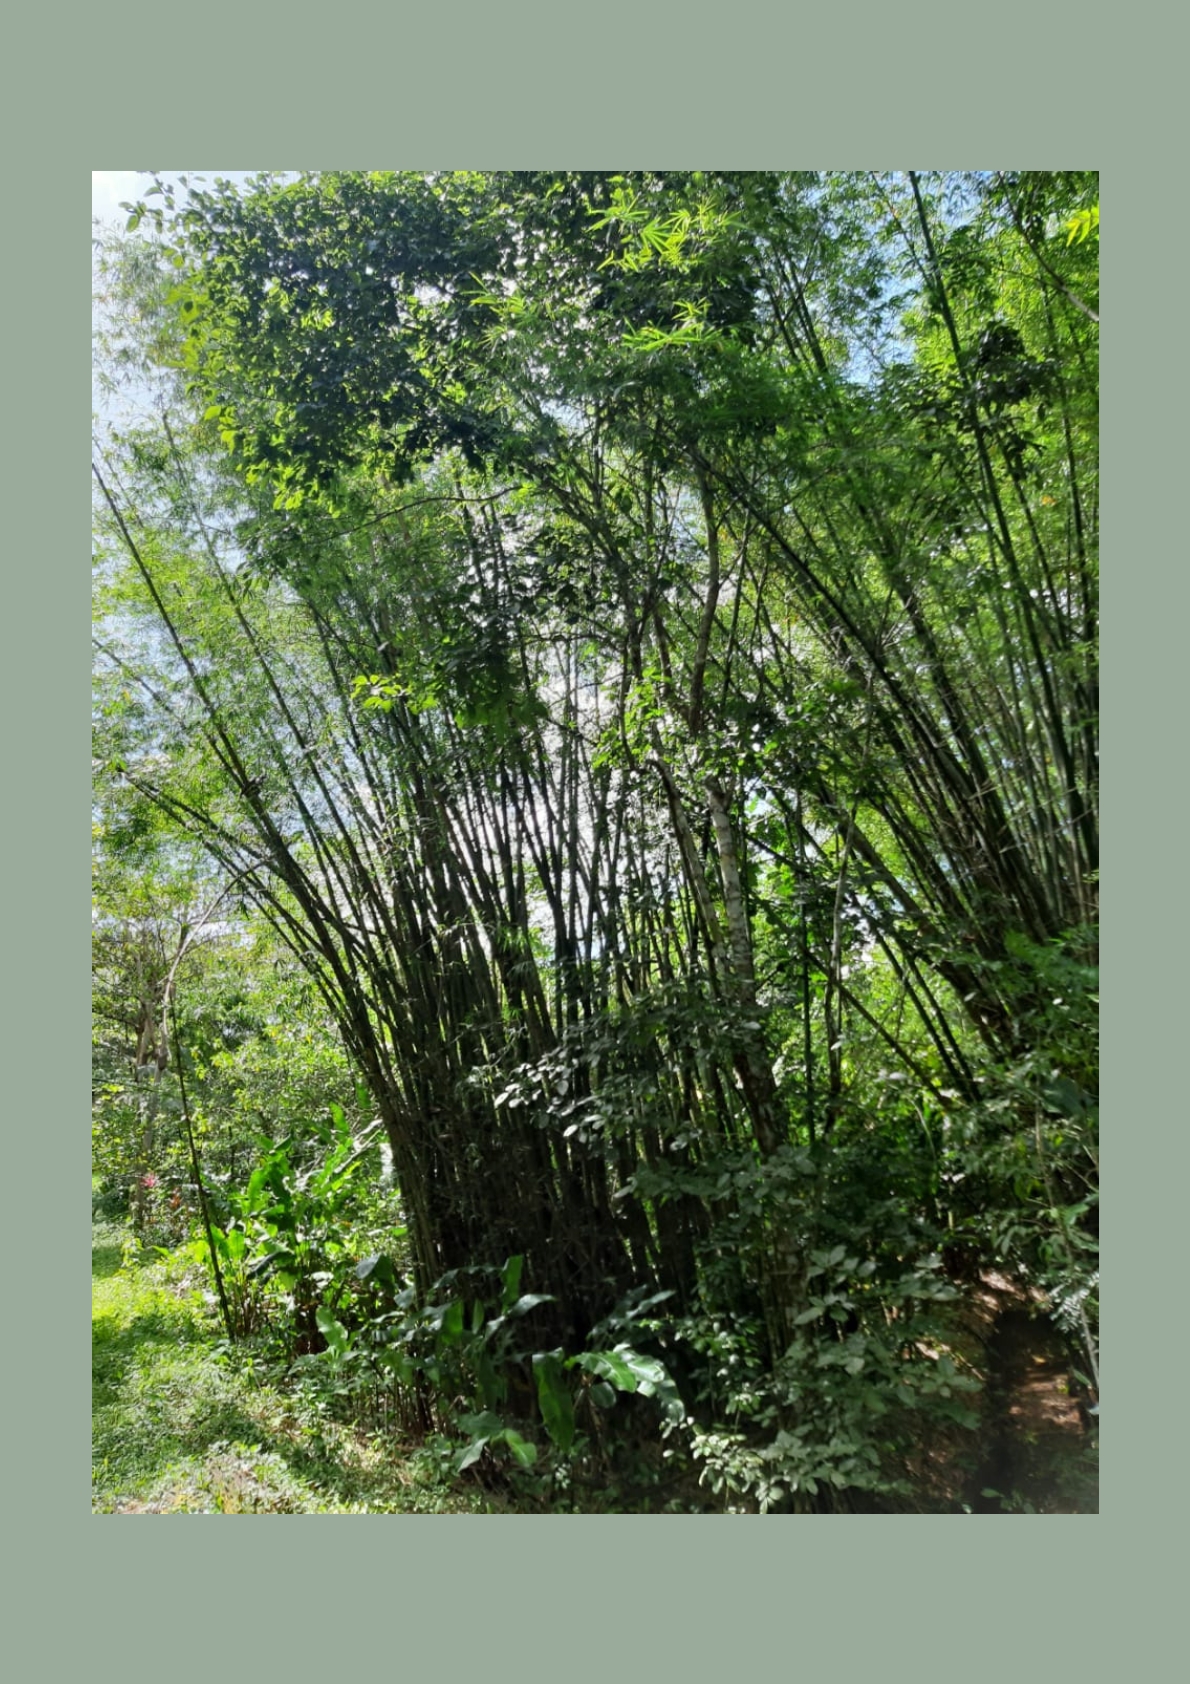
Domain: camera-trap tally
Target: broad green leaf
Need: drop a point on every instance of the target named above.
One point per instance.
(529, 1301)
(491, 1385)
(394, 1362)
(524, 1452)
(378, 1267)
(452, 1321)
(609, 1366)
(485, 1424)
(512, 1278)
(553, 1395)
(648, 1371)
(332, 1330)
(653, 1380)
(471, 1453)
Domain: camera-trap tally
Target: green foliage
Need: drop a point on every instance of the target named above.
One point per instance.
(1081, 224)
(176, 1428)
(633, 639)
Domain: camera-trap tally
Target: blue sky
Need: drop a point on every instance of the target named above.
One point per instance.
(109, 187)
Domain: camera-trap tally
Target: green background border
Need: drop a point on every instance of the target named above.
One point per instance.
(747, 86)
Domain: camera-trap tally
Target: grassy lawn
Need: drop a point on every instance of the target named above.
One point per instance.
(176, 1428)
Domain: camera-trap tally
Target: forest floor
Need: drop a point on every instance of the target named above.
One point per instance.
(1035, 1450)
(178, 1429)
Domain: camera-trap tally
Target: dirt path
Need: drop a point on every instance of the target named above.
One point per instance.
(1036, 1453)
(1035, 1448)
(1036, 1441)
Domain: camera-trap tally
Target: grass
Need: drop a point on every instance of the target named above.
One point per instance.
(177, 1427)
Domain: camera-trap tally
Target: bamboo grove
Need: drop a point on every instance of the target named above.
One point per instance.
(635, 639)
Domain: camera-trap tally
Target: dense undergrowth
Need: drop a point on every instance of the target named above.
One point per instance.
(180, 1424)
(186, 1422)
